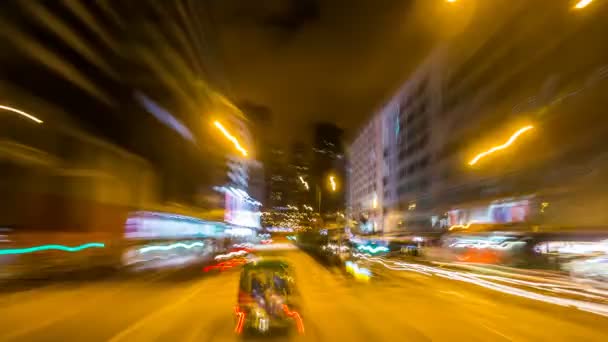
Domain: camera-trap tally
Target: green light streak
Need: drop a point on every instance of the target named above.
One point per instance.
(51, 247)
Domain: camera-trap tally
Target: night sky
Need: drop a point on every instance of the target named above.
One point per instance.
(304, 61)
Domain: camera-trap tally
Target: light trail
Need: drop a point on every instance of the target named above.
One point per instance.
(583, 4)
(305, 183)
(51, 247)
(501, 147)
(373, 249)
(240, 320)
(482, 280)
(332, 181)
(296, 316)
(462, 226)
(231, 138)
(171, 246)
(22, 113)
(231, 255)
(359, 273)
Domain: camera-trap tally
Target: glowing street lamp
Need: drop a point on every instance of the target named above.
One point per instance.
(582, 4)
(501, 147)
(231, 138)
(22, 113)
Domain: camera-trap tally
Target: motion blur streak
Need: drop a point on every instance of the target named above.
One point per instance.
(225, 265)
(583, 3)
(456, 226)
(373, 249)
(501, 147)
(22, 113)
(296, 316)
(171, 246)
(231, 255)
(304, 182)
(51, 247)
(476, 279)
(231, 138)
(359, 273)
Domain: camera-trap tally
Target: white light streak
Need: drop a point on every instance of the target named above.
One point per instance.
(22, 113)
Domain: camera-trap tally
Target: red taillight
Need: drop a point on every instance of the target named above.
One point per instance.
(296, 317)
(240, 320)
(226, 265)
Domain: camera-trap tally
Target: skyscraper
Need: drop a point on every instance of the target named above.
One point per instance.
(328, 172)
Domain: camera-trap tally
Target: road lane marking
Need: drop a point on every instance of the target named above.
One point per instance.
(193, 291)
(32, 327)
(497, 332)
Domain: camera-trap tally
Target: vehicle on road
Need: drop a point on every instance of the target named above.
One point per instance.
(268, 301)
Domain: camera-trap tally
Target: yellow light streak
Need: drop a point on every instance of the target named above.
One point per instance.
(22, 113)
(461, 226)
(583, 4)
(501, 147)
(231, 138)
(305, 183)
(332, 181)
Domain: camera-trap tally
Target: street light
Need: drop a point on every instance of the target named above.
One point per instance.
(332, 182)
(22, 113)
(582, 4)
(230, 137)
(501, 147)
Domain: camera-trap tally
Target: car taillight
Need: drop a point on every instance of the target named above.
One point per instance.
(240, 319)
(296, 317)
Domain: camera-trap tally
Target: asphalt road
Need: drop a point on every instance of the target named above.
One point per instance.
(402, 306)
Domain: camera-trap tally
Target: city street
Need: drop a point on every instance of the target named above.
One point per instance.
(199, 307)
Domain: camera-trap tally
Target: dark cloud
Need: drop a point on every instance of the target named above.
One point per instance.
(318, 60)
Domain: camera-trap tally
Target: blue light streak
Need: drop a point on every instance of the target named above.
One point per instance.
(171, 246)
(373, 249)
(51, 247)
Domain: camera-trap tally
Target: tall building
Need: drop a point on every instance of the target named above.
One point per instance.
(288, 198)
(365, 186)
(259, 123)
(277, 178)
(300, 192)
(238, 165)
(408, 143)
(470, 95)
(328, 164)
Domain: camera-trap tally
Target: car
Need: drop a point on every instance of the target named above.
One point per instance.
(268, 302)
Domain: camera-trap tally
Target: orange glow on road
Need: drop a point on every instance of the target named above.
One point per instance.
(231, 138)
(501, 147)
